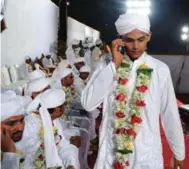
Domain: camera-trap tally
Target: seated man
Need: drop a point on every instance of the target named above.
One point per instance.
(72, 52)
(81, 81)
(34, 89)
(36, 74)
(65, 81)
(80, 84)
(78, 63)
(48, 61)
(38, 86)
(54, 149)
(29, 64)
(13, 125)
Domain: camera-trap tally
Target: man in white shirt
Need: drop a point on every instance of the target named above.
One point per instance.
(72, 52)
(97, 57)
(48, 62)
(135, 90)
(81, 81)
(13, 129)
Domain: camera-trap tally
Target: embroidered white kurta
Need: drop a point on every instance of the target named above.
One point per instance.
(10, 161)
(160, 101)
(30, 143)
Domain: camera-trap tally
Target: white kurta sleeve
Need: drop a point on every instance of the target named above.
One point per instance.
(170, 119)
(69, 154)
(98, 87)
(78, 87)
(10, 161)
(70, 56)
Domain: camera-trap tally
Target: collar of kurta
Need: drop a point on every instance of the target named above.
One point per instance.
(141, 59)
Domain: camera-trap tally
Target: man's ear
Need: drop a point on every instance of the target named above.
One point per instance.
(149, 36)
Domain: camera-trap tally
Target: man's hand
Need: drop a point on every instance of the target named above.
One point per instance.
(178, 164)
(7, 144)
(70, 167)
(117, 56)
(76, 141)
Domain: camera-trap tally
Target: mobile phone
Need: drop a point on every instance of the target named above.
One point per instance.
(122, 50)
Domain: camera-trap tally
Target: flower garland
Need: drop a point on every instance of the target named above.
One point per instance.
(76, 52)
(39, 162)
(128, 113)
(70, 95)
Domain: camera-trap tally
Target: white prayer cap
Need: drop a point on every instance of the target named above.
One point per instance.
(64, 72)
(63, 64)
(27, 57)
(127, 22)
(79, 59)
(48, 54)
(36, 74)
(50, 99)
(89, 39)
(85, 69)
(13, 107)
(91, 45)
(75, 42)
(7, 95)
(84, 44)
(38, 85)
(98, 42)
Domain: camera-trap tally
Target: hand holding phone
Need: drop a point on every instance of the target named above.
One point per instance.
(117, 52)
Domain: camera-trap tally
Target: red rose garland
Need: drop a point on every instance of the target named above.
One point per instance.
(127, 122)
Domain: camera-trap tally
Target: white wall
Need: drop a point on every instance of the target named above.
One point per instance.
(79, 31)
(175, 63)
(32, 28)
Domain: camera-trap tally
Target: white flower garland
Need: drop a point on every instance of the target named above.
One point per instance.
(127, 113)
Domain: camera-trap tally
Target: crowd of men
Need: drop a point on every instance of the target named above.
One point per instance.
(47, 127)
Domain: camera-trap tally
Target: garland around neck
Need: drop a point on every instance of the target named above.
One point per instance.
(128, 113)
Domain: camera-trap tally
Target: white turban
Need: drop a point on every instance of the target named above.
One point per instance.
(64, 72)
(84, 44)
(89, 40)
(126, 23)
(75, 42)
(50, 99)
(62, 65)
(79, 59)
(91, 45)
(7, 95)
(13, 107)
(48, 54)
(98, 42)
(85, 69)
(27, 57)
(36, 74)
(37, 85)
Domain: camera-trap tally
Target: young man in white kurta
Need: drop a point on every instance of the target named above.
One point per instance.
(160, 101)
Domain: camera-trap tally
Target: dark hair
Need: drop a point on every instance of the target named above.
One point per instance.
(50, 110)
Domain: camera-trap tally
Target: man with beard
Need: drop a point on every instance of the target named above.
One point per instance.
(12, 128)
